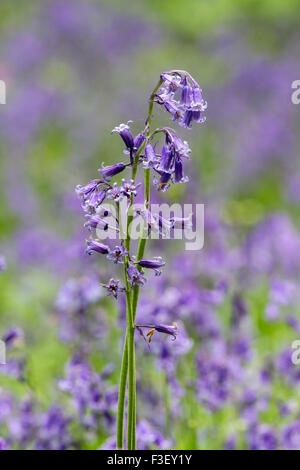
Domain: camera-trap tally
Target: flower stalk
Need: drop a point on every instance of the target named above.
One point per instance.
(180, 95)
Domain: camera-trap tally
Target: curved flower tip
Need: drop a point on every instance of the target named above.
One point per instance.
(125, 133)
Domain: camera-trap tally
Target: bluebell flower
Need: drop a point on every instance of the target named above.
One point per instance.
(114, 193)
(150, 157)
(116, 255)
(108, 171)
(154, 264)
(160, 328)
(182, 97)
(95, 245)
(135, 276)
(92, 194)
(113, 288)
(125, 133)
(163, 183)
(129, 188)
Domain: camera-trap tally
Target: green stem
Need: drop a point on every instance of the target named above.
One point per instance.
(127, 367)
(131, 420)
(122, 395)
(131, 415)
(128, 360)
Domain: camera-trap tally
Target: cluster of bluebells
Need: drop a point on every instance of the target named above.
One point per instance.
(92, 408)
(182, 97)
(176, 90)
(89, 409)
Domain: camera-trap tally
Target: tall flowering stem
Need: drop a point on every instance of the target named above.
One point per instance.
(181, 96)
(129, 339)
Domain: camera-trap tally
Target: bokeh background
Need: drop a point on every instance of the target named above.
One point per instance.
(75, 69)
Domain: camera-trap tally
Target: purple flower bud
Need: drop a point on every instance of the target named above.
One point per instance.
(154, 264)
(92, 195)
(138, 140)
(136, 277)
(112, 170)
(113, 288)
(124, 131)
(95, 221)
(167, 329)
(95, 200)
(84, 191)
(94, 245)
